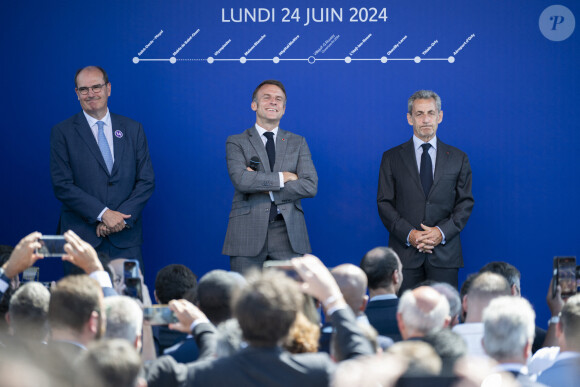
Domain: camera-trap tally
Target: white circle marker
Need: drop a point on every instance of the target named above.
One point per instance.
(348, 59)
(172, 60)
(451, 59)
(243, 59)
(311, 59)
(210, 60)
(276, 59)
(417, 59)
(136, 60)
(384, 59)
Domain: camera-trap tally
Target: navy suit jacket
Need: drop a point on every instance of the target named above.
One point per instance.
(382, 315)
(403, 205)
(83, 184)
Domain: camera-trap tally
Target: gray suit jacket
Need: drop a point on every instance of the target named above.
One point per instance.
(403, 205)
(248, 223)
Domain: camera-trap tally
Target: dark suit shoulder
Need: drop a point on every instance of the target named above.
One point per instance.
(450, 148)
(398, 148)
(379, 304)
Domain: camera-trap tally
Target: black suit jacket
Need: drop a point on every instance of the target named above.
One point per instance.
(382, 315)
(403, 206)
(85, 187)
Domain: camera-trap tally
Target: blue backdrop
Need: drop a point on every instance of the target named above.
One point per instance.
(509, 97)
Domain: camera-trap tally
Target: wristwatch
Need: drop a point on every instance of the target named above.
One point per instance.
(554, 320)
(3, 276)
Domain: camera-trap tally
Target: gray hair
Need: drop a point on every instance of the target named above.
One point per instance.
(29, 311)
(509, 324)
(452, 296)
(423, 94)
(124, 318)
(229, 338)
(418, 321)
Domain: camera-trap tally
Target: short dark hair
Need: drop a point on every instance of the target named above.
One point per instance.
(173, 281)
(270, 82)
(507, 271)
(214, 295)
(102, 70)
(267, 307)
(72, 301)
(379, 264)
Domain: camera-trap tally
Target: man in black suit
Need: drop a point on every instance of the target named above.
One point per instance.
(385, 275)
(424, 197)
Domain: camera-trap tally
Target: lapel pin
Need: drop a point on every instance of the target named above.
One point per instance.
(118, 134)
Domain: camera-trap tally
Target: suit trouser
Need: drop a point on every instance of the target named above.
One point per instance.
(428, 272)
(276, 247)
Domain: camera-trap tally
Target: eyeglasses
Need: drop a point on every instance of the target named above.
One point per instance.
(95, 88)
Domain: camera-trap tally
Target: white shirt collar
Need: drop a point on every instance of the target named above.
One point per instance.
(261, 130)
(417, 142)
(92, 120)
(384, 297)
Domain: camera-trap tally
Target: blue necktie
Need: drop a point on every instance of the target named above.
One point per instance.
(271, 151)
(104, 146)
(426, 169)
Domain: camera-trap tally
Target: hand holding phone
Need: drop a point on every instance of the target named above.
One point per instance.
(159, 315)
(51, 246)
(564, 273)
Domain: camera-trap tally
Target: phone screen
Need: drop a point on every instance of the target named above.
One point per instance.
(159, 315)
(132, 279)
(51, 246)
(567, 275)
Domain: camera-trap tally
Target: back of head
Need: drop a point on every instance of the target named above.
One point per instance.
(29, 311)
(72, 301)
(507, 271)
(570, 323)
(173, 281)
(108, 363)
(484, 288)
(214, 295)
(509, 325)
(266, 307)
(352, 282)
(422, 358)
(379, 264)
(124, 318)
(422, 310)
(452, 296)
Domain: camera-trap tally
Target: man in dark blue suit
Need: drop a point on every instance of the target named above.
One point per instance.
(101, 171)
(385, 275)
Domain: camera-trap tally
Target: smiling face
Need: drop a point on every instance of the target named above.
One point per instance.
(95, 104)
(425, 118)
(269, 105)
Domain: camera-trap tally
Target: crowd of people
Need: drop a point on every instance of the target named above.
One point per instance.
(349, 325)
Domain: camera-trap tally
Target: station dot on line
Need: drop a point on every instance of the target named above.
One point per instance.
(276, 59)
(417, 59)
(210, 60)
(311, 59)
(347, 59)
(243, 59)
(172, 60)
(451, 59)
(136, 60)
(384, 59)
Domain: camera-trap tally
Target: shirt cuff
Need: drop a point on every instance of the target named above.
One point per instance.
(281, 175)
(3, 286)
(102, 278)
(197, 322)
(442, 236)
(330, 311)
(408, 235)
(100, 217)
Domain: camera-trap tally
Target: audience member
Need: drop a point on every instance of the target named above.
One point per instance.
(508, 335)
(303, 336)
(422, 311)
(566, 369)
(214, 295)
(513, 277)
(384, 272)
(109, 363)
(453, 299)
(449, 346)
(484, 288)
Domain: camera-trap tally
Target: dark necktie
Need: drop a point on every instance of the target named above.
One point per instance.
(426, 169)
(271, 150)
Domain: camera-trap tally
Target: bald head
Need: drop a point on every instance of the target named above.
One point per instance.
(421, 311)
(352, 282)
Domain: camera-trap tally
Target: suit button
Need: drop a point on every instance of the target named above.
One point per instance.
(110, 184)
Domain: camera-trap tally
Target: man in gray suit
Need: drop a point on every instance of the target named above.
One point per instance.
(424, 197)
(271, 170)
(566, 369)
